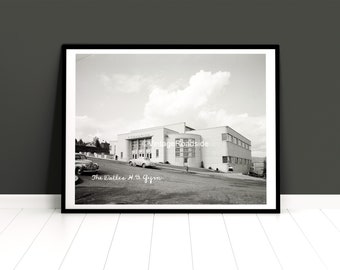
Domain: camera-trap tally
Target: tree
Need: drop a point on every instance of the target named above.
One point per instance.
(97, 143)
(80, 142)
(265, 168)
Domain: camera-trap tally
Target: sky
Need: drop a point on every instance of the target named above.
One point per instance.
(119, 93)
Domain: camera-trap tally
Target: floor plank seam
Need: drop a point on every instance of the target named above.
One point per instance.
(11, 221)
(229, 239)
(74, 237)
(192, 255)
(310, 243)
(330, 220)
(270, 243)
(153, 221)
(35, 237)
(112, 239)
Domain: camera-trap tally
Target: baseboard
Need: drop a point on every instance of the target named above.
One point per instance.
(30, 201)
(313, 201)
(287, 201)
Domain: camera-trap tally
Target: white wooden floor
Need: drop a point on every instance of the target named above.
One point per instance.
(46, 239)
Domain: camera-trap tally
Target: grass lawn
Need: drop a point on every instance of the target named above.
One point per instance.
(174, 188)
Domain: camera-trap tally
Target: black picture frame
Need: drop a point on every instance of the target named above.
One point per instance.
(272, 47)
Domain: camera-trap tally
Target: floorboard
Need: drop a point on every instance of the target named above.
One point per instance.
(6, 217)
(130, 248)
(91, 245)
(334, 216)
(19, 235)
(52, 243)
(291, 247)
(171, 247)
(211, 248)
(250, 243)
(321, 233)
(46, 239)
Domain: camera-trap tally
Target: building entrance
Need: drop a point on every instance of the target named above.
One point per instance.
(141, 148)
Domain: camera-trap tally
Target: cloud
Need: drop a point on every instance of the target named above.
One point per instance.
(170, 104)
(195, 104)
(252, 127)
(124, 83)
(87, 128)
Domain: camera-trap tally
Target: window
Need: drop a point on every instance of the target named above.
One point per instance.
(177, 151)
(185, 160)
(148, 143)
(157, 153)
(234, 140)
(150, 155)
(121, 154)
(239, 142)
(191, 152)
(185, 147)
(224, 136)
(224, 159)
(140, 144)
(134, 145)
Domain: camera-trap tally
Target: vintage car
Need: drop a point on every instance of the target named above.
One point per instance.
(141, 161)
(257, 169)
(84, 165)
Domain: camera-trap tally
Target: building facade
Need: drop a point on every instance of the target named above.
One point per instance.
(219, 148)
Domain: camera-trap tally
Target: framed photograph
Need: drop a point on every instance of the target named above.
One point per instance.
(171, 128)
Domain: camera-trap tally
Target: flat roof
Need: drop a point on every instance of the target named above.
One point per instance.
(223, 127)
(157, 127)
(192, 129)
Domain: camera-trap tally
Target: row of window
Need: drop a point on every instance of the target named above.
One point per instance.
(141, 144)
(230, 138)
(236, 160)
(148, 155)
(185, 148)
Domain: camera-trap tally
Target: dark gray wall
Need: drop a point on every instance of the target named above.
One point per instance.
(32, 32)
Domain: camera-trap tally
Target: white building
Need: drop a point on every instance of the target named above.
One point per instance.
(219, 148)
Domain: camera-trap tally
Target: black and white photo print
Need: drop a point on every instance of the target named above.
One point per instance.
(171, 128)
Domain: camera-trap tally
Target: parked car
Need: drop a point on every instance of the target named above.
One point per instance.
(257, 169)
(84, 165)
(141, 161)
